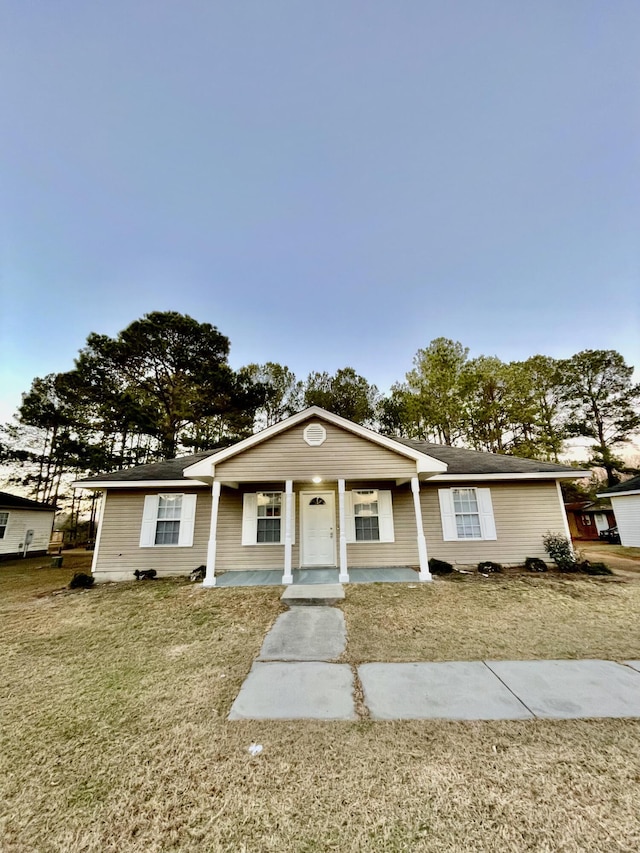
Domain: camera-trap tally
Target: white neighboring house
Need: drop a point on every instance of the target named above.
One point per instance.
(625, 500)
(25, 527)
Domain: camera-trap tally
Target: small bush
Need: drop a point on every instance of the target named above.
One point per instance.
(81, 580)
(488, 566)
(593, 568)
(439, 567)
(535, 564)
(561, 552)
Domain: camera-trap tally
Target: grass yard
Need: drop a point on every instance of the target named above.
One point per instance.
(513, 618)
(114, 731)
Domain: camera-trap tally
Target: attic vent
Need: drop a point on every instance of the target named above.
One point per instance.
(314, 435)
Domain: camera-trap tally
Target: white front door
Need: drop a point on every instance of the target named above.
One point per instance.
(318, 528)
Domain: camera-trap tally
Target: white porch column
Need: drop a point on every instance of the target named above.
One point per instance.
(425, 574)
(210, 577)
(343, 577)
(287, 577)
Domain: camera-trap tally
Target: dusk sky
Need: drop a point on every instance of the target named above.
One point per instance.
(330, 183)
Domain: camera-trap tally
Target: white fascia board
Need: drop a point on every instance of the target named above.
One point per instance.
(617, 494)
(534, 475)
(134, 484)
(425, 463)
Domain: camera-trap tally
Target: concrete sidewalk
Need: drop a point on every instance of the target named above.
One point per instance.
(294, 678)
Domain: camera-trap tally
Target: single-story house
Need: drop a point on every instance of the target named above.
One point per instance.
(317, 490)
(25, 526)
(625, 500)
(588, 518)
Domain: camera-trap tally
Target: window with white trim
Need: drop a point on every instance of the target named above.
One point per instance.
(466, 514)
(4, 521)
(168, 520)
(368, 515)
(263, 518)
(365, 515)
(268, 516)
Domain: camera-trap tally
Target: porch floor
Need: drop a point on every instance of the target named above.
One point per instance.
(273, 577)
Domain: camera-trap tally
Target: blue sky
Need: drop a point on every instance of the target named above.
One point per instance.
(329, 183)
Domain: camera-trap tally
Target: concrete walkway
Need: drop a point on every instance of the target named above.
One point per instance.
(296, 677)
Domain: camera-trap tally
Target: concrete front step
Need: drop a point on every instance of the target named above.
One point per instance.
(313, 594)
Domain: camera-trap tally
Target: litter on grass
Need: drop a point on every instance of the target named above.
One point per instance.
(255, 748)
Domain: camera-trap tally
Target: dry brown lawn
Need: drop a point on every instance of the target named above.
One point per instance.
(469, 617)
(115, 739)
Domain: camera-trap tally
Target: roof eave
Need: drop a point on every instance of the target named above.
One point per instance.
(134, 484)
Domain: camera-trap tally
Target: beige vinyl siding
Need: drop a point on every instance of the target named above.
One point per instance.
(404, 550)
(627, 512)
(21, 520)
(288, 457)
(232, 556)
(523, 513)
(119, 552)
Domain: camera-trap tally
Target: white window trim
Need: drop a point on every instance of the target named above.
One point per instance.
(385, 517)
(485, 512)
(150, 521)
(4, 526)
(250, 518)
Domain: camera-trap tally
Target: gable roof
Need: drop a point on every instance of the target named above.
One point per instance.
(424, 462)
(439, 461)
(8, 501)
(629, 487)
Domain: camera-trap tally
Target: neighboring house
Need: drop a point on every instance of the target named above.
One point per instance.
(625, 500)
(25, 527)
(317, 490)
(588, 518)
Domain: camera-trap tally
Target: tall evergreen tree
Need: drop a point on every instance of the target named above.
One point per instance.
(603, 403)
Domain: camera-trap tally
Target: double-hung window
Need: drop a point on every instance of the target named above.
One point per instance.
(269, 516)
(263, 518)
(168, 520)
(4, 521)
(467, 514)
(368, 515)
(365, 514)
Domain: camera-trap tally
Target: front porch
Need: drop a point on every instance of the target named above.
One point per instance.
(304, 577)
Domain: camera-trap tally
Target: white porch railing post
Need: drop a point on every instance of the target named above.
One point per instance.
(425, 574)
(343, 577)
(287, 577)
(210, 576)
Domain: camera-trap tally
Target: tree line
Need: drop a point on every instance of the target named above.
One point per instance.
(163, 387)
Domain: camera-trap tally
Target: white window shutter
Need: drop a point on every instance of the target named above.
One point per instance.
(385, 516)
(485, 507)
(349, 518)
(187, 521)
(447, 515)
(149, 519)
(249, 518)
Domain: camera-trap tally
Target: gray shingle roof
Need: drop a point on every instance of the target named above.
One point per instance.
(8, 501)
(631, 485)
(459, 459)
(463, 461)
(167, 469)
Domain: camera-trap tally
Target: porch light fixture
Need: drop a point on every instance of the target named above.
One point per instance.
(317, 479)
